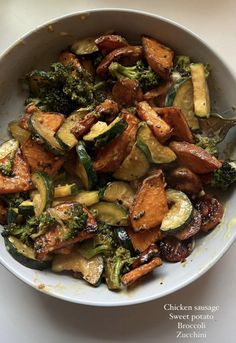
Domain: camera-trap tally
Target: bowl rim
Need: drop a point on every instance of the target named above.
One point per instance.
(197, 274)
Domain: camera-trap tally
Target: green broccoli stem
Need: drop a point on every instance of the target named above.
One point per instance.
(113, 272)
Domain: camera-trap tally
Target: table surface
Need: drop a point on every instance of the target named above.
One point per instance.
(30, 316)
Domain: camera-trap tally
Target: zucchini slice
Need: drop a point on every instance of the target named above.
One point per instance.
(26, 208)
(84, 168)
(84, 46)
(45, 187)
(24, 254)
(133, 167)
(86, 198)
(110, 213)
(179, 214)
(7, 153)
(45, 134)
(200, 91)
(181, 95)
(66, 190)
(118, 191)
(153, 150)
(64, 136)
(101, 133)
(21, 135)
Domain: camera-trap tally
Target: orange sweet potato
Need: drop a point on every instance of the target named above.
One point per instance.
(159, 127)
(143, 239)
(127, 92)
(158, 56)
(51, 120)
(176, 119)
(195, 158)
(150, 204)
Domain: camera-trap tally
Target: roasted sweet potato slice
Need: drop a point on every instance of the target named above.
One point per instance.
(143, 239)
(51, 120)
(158, 56)
(68, 58)
(134, 275)
(108, 43)
(195, 158)
(40, 159)
(20, 181)
(110, 158)
(159, 127)
(176, 119)
(131, 52)
(150, 204)
(184, 180)
(157, 96)
(127, 92)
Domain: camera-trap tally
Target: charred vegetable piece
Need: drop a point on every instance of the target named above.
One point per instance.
(183, 179)
(150, 204)
(86, 198)
(174, 250)
(134, 166)
(195, 158)
(90, 269)
(84, 167)
(127, 92)
(67, 58)
(19, 134)
(179, 214)
(83, 126)
(158, 56)
(110, 213)
(143, 239)
(108, 43)
(175, 118)
(39, 159)
(192, 228)
(45, 187)
(7, 153)
(65, 190)
(3, 212)
(136, 274)
(21, 180)
(211, 211)
(146, 256)
(113, 154)
(84, 46)
(118, 191)
(153, 150)
(159, 127)
(225, 175)
(132, 53)
(123, 239)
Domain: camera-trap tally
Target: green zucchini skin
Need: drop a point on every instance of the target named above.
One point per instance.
(24, 255)
(26, 208)
(85, 171)
(180, 213)
(66, 190)
(118, 191)
(44, 185)
(110, 213)
(171, 94)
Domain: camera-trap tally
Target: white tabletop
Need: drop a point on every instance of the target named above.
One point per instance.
(30, 316)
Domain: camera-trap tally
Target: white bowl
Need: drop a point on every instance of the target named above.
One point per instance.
(38, 49)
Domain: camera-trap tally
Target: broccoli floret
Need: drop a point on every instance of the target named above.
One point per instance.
(114, 266)
(146, 77)
(207, 143)
(225, 175)
(182, 65)
(76, 221)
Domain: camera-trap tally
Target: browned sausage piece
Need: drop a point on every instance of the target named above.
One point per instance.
(158, 56)
(134, 53)
(134, 275)
(211, 211)
(108, 43)
(192, 228)
(84, 125)
(174, 250)
(195, 158)
(146, 256)
(184, 180)
(108, 109)
(127, 92)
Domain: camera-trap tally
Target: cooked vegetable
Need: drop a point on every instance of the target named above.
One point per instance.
(200, 90)
(84, 167)
(25, 254)
(108, 43)
(225, 175)
(179, 214)
(173, 250)
(110, 213)
(83, 126)
(3, 212)
(181, 95)
(84, 46)
(134, 275)
(123, 239)
(19, 134)
(182, 65)
(146, 256)
(158, 56)
(45, 187)
(195, 158)
(141, 240)
(183, 179)
(150, 204)
(211, 211)
(145, 76)
(86, 198)
(118, 191)
(207, 143)
(7, 153)
(159, 127)
(26, 208)
(192, 228)
(101, 133)
(66, 190)
(134, 166)
(153, 150)
(127, 92)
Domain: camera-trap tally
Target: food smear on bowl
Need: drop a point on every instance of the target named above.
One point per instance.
(107, 173)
